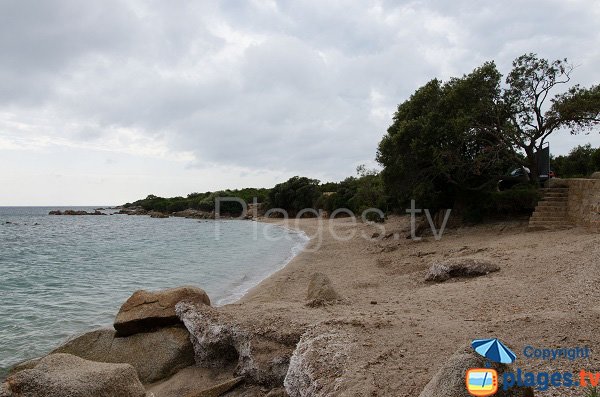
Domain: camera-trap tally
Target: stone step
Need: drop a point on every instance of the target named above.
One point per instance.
(551, 210)
(561, 223)
(543, 218)
(556, 194)
(553, 203)
(555, 189)
(555, 199)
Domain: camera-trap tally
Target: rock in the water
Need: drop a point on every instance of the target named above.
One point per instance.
(442, 271)
(64, 375)
(156, 214)
(154, 355)
(318, 363)
(145, 311)
(262, 356)
(321, 291)
(449, 381)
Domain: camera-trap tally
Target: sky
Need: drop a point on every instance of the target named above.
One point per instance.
(105, 102)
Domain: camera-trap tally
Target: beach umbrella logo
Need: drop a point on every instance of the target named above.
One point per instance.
(494, 350)
(483, 382)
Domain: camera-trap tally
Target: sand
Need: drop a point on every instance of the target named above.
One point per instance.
(401, 329)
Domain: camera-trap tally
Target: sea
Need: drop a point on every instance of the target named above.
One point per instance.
(63, 275)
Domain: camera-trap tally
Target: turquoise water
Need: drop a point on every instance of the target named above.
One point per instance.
(60, 275)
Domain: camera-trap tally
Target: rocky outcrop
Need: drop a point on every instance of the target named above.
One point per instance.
(442, 271)
(321, 291)
(132, 211)
(156, 214)
(449, 381)
(260, 355)
(194, 214)
(145, 311)
(74, 212)
(154, 355)
(64, 375)
(318, 363)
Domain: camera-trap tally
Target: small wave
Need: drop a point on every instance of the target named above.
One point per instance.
(247, 283)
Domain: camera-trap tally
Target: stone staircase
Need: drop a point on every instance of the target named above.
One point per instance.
(551, 211)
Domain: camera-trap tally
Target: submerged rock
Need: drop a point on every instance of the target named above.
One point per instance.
(154, 355)
(321, 291)
(65, 375)
(262, 356)
(449, 381)
(442, 271)
(145, 311)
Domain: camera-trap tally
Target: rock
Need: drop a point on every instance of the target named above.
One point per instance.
(442, 271)
(260, 355)
(194, 214)
(218, 390)
(64, 375)
(132, 211)
(74, 212)
(556, 182)
(449, 381)
(155, 214)
(154, 355)
(145, 311)
(29, 364)
(595, 175)
(318, 363)
(280, 392)
(189, 380)
(321, 291)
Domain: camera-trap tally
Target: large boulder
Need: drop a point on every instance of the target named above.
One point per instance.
(318, 363)
(320, 291)
(154, 355)
(146, 311)
(449, 381)
(259, 354)
(595, 175)
(64, 375)
(442, 271)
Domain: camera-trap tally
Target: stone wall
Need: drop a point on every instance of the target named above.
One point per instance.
(584, 202)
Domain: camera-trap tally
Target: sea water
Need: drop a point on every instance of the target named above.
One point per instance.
(62, 275)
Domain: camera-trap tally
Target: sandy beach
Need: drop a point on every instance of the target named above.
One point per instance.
(393, 329)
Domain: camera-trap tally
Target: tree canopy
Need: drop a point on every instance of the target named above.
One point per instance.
(450, 140)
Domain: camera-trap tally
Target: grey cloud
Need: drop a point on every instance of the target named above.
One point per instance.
(294, 86)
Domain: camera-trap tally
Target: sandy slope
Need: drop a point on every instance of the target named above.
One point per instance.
(546, 294)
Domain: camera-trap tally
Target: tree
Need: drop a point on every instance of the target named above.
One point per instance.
(580, 162)
(442, 142)
(296, 194)
(533, 115)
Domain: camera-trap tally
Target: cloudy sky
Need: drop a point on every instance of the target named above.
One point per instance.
(108, 101)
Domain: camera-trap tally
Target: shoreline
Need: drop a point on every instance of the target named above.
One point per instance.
(388, 330)
(398, 330)
(230, 295)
